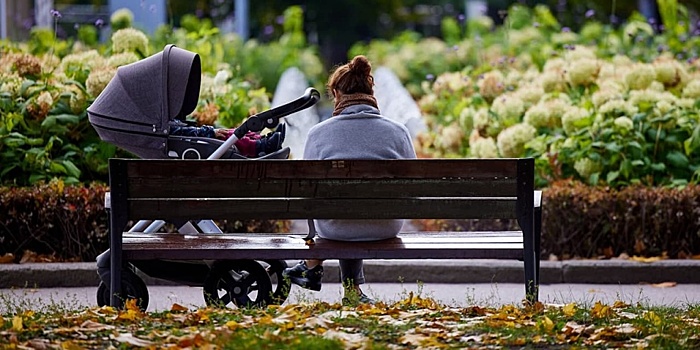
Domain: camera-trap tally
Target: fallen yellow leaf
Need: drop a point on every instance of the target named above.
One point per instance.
(17, 323)
(546, 324)
(132, 305)
(569, 309)
(652, 317)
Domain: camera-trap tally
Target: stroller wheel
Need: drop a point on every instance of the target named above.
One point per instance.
(240, 283)
(280, 285)
(133, 287)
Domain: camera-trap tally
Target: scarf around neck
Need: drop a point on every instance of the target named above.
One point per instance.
(346, 101)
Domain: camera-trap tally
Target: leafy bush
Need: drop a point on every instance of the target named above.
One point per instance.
(581, 221)
(70, 222)
(584, 221)
(67, 221)
(612, 111)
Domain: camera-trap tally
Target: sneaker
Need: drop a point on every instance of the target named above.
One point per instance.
(305, 277)
(357, 300)
(267, 145)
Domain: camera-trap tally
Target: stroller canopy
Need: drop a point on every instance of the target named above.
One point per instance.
(134, 110)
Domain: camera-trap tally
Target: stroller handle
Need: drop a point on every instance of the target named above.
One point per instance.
(271, 117)
(268, 119)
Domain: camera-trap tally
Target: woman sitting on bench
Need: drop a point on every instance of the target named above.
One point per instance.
(356, 131)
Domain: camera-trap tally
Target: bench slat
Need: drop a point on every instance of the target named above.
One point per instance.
(145, 187)
(301, 208)
(277, 246)
(319, 169)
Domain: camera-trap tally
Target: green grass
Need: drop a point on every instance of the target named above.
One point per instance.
(415, 321)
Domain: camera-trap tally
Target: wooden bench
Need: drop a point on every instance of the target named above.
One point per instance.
(338, 189)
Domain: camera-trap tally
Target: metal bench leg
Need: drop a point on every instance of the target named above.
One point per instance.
(530, 261)
(115, 245)
(538, 238)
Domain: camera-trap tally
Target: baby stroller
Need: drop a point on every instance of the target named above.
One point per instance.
(134, 113)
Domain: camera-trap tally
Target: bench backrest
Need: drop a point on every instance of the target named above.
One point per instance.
(340, 189)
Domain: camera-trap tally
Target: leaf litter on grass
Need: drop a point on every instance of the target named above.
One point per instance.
(412, 323)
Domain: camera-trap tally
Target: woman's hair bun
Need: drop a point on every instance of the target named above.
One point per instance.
(360, 65)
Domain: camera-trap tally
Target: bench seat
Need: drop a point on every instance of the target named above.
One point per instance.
(187, 193)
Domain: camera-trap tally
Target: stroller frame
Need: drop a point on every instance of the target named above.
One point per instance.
(120, 114)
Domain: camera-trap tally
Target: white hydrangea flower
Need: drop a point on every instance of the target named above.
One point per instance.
(531, 75)
(508, 107)
(98, 80)
(491, 84)
(466, 118)
(624, 123)
(553, 80)
(671, 72)
(122, 59)
(557, 107)
(612, 73)
(554, 64)
(481, 119)
(537, 116)
(530, 94)
(222, 77)
(453, 82)
(640, 76)
(685, 103)
(583, 71)
(618, 108)
(82, 60)
(45, 99)
(579, 52)
(451, 137)
(50, 62)
(586, 167)
(571, 119)
(621, 60)
(656, 86)
(602, 96)
(11, 83)
(692, 90)
(650, 97)
(130, 40)
(513, 79)
(511, 141)
(483, 147)
(662, 108)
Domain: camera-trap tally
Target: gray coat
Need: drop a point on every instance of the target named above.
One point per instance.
(359, 132)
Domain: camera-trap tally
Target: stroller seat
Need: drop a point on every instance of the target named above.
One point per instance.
(188, 147)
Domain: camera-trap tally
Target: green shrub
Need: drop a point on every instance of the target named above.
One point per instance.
(587, 222)
(67, 221)
(71, 223)
(581, 221)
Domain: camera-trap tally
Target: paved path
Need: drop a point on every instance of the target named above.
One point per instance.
(482, 294)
